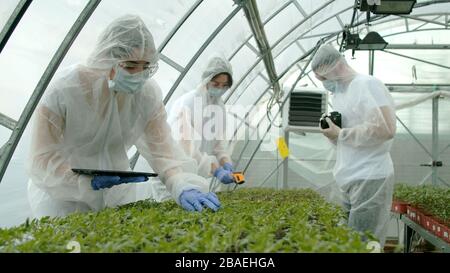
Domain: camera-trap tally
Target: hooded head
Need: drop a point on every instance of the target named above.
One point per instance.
(330, 67)
(217, 77)
(125, 39)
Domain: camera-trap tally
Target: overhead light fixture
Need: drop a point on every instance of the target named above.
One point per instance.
(372, 41)
(387, 6)
(351, 41)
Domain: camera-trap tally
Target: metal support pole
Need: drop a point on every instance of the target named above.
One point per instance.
(435, 142)
(286, 162)
(414, 137)
(12, 22)
(371, 61)
(407, 238)
(256, 25)
(11, 145)
(178, 25)
(189, 65)
(314, 50)
(7, 122)
(417, 59)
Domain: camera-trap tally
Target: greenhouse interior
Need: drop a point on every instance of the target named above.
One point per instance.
(282, 180)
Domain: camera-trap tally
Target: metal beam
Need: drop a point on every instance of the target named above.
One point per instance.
(287, 47)
(419, 46)
(281, 107)
(199, 52)
(378, 18)
(2, 149)
(286, 34)
(264, 78)
(444, 182)
(262, 95)
(305, 20)
(171, 62)
(254, 20)
(417, 18)
(12, 22)
(426, 23)
(272, 172)
(371, 61)
(7, 122)
(43, 83)
(445, 149)
(416, 59)
(414, 137)
(252, 48)
(194, 58)
(340, 21)
(258, 60)
(281, 51)
(285, 5)
(300, 9)
(238, 83)
(300, 46)
(311, 51)
(435, 141)
(419, 30)
(178, 25)
(417, 88)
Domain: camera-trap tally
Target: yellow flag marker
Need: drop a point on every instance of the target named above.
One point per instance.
(282, 147)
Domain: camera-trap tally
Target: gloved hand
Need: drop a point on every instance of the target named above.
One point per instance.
(107, 181)
(228, 166)
(194, 200)
(223, 175)
(331, 133)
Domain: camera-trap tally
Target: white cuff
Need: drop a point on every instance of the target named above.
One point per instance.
(178, 183)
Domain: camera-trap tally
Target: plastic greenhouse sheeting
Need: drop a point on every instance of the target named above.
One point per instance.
(188, 32)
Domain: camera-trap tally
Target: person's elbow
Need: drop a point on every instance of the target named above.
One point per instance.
(387, 132)
(388, 124)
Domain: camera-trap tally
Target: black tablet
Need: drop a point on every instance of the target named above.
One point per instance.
(116, 173)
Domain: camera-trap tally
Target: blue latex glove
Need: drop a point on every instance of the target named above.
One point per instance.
(227, 166)
(107, 181)
(194, 200)
(223, 175)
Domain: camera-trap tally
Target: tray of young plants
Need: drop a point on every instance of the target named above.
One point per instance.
(250, 220)
(428, 206)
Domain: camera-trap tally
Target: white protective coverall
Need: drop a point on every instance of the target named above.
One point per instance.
(83, 123)
(364, 170)
(198, 120)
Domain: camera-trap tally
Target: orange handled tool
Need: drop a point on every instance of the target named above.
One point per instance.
(238, 178)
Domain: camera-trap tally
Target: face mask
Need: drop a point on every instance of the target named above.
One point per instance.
(216, 92)
(330, 85)
(126, 82)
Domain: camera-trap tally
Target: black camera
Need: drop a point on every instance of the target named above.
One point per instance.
(335, 117)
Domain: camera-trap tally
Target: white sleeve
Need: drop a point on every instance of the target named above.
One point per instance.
(157, 146)
(186, 135)
(49, 169)
(377, 109)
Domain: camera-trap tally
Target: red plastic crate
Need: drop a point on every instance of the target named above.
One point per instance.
(446, 233)
(399, 206)
(442, 230)
(411, 212)
(419, 217)
(427, 223)
(434, 226)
